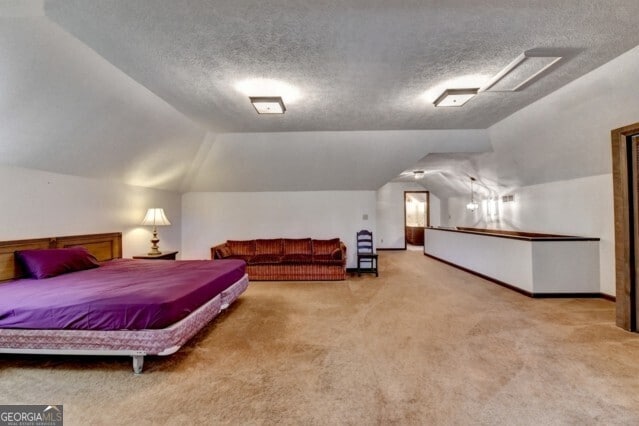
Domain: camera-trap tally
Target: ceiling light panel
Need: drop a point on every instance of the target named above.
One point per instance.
(268, 105)
(455, 97)
(521, 72)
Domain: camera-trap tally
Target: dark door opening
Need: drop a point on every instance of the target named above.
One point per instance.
(633, 203)
(625, 170)
(416, 218)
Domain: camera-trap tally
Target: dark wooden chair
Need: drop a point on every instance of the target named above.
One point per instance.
(365, 253)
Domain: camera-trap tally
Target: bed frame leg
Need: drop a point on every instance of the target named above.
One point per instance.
(138, 363)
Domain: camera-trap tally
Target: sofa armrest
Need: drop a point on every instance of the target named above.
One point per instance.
(343, 248)
(215, 250)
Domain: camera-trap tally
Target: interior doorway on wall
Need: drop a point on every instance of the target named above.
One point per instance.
(625, 176)
(416, 218)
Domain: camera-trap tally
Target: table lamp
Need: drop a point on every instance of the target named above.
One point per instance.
(155, 217)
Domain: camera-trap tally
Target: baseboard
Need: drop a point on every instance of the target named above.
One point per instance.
(524, 292)
(573, 296)
(608, 297)
(390, 249)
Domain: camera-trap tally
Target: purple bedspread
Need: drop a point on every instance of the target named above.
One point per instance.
(122, 294)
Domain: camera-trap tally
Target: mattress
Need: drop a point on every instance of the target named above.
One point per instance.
(122, 294)
(123, 342)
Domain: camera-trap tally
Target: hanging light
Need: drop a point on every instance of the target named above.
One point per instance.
(472, 206)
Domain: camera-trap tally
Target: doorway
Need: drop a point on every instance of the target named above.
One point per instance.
(416, 218)
(625, 175)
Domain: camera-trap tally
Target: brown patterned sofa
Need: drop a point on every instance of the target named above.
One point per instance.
(281, 259)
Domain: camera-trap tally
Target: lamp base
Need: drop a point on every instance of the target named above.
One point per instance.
(154, 244)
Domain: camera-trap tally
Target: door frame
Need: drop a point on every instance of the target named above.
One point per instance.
(427, 210)
(625, 209)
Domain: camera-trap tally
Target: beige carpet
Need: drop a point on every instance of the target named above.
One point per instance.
(422, 344)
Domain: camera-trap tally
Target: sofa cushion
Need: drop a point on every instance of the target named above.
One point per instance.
(265, 259)
(242, 248)
(270, 246)
(240, 257)
(326, 259)
(297, 246)
(337, 254)
(297, 259)
(223, 252)
(325, 247)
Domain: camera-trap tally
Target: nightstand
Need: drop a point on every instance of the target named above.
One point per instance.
(168, 255)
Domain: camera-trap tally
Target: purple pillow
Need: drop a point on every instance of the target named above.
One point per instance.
(48, 263)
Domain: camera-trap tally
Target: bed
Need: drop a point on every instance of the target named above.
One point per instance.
(124, 307)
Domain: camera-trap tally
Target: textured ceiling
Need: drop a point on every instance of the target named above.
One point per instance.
(146, 91)
(357, 64)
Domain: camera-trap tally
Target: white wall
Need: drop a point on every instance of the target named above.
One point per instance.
(390, 213)
(533, 266)
(435, 210)
(210, 218)
(582, 207)
(42, 204)
(507, 260)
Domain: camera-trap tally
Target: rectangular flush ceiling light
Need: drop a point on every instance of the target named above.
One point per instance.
(268, 105)
(526, 69)
(455, 97)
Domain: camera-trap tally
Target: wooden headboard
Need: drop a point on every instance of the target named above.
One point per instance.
(102, 246)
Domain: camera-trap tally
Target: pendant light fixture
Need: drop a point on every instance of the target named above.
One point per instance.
(472, 206)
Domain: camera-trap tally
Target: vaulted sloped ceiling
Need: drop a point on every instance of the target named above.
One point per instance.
(300, 161)
(565, 135)
(65, 109)
(146, 91)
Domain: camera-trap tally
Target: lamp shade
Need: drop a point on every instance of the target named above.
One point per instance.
(155, 217)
